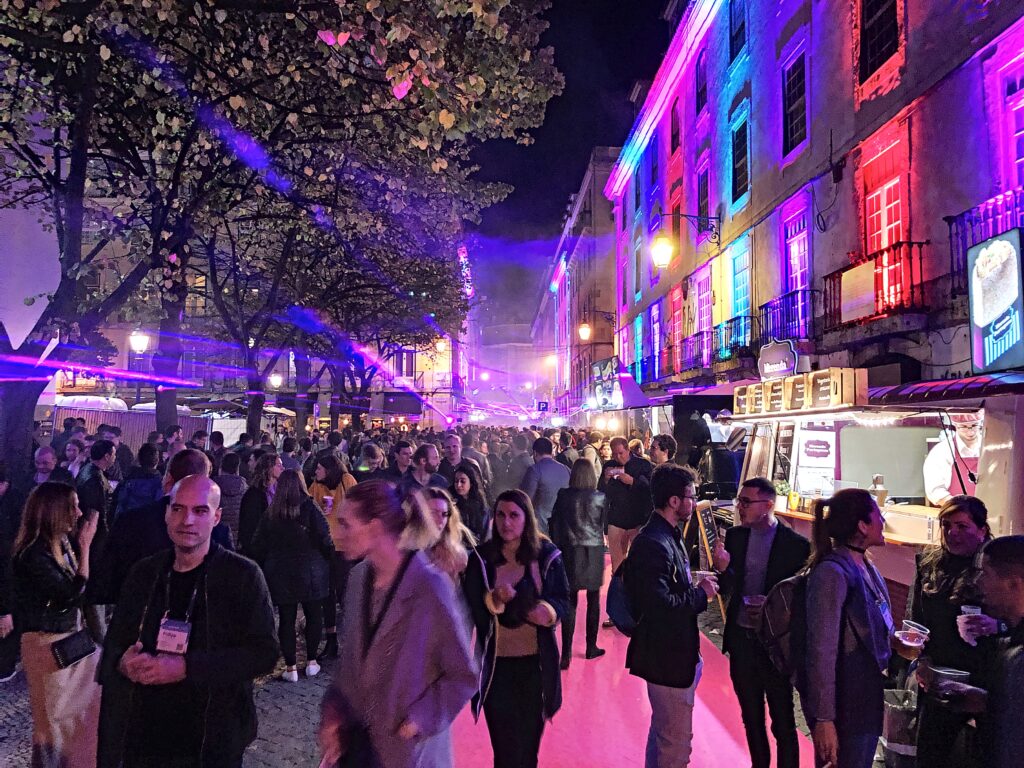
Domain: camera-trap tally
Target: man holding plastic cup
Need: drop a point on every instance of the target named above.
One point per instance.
(757, 555)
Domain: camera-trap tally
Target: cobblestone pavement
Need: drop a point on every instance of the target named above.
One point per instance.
(288, 714)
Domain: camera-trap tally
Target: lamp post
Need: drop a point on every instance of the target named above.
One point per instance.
(276, 380)
(662, 247)
(139, 343)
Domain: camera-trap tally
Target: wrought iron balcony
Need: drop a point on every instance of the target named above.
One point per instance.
(888, 282)
(733, 336)
(993, 217)
(790, 316)
(696, 351)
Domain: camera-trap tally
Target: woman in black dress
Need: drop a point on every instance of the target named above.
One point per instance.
(468, 493)
(577, 528)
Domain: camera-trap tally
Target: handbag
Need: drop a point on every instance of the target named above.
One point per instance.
(73, 648)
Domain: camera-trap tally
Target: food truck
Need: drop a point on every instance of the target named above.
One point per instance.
(911, 445)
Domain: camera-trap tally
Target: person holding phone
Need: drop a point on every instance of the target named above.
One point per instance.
(50, 574)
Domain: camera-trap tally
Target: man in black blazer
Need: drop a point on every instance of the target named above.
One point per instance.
(665, 647)
(757, 555)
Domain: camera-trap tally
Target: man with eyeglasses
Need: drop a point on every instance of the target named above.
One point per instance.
(757, 555)
(665, 647)
(951, 467)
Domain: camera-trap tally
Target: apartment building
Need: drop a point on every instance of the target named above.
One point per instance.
(820, 170)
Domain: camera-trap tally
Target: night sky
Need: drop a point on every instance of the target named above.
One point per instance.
(601, 47)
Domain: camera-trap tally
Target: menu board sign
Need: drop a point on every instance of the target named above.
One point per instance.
(806, 392)
(994, 290)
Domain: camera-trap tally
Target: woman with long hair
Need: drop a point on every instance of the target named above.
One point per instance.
(849, 625)
(943, 585)
(448, 541)
(328, 490)
(50, 573)
(468, 492)
(517, 592)
(256, 500)
(388, 707)
(577, 525)
(293, 546)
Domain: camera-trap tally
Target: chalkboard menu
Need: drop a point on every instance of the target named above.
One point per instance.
(773, 399)
(820, 395)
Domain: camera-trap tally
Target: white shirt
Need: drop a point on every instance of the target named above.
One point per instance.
(938, 467)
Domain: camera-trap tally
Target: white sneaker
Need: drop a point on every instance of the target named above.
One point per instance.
(312, 669)
(290, 675)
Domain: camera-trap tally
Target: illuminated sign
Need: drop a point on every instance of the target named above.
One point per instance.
(777, 360)
(829, 389)
(607, 388)
(994, 292)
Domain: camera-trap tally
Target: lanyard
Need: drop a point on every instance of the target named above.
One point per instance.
(191, 601)
(373, 625)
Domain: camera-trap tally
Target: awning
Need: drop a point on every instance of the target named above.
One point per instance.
(949, 390)
(273, 410)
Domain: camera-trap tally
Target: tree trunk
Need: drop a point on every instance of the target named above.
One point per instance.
(167, 362)
(303, 376)
(257, 397)
(17, 409)
(337, 396)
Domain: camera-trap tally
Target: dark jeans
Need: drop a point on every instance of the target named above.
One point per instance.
(514, 712)
(314, 613)
(593, 620)
(340, 568)
(755, 680)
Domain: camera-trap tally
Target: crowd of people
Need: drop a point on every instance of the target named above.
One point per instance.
(145, 592)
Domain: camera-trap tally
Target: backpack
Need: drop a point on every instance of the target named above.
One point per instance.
(783, 630)
(620, 607)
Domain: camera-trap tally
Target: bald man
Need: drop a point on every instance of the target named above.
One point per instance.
(47, 468)
(142, 532)
(192, 630)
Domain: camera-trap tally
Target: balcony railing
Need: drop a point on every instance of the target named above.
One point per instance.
(790, 316)
(890, 281)
(696, 351)
(993, 217)
(732, 336)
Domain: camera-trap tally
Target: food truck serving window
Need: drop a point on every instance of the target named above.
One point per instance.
(996, 303)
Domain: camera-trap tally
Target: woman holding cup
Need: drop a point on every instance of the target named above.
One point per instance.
(944, 599)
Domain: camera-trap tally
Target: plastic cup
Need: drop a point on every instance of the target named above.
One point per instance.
(754, 601)
(970, 610)
(915, 632)
(963, 623)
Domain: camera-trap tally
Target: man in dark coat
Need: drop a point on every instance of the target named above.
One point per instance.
(143, 532)
(182, 694)
(757, 555)
(665, 647)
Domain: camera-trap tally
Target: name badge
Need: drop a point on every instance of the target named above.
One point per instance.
(173, 636)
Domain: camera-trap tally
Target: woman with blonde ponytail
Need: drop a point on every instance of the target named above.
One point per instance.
(849, 624)
(448, 541)
(405, 668)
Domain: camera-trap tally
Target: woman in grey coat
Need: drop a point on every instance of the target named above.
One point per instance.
(849, 623)
(405, 668)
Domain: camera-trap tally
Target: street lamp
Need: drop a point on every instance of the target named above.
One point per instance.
(485, 376)
(584, 331)
(551, 361)
(139, 343)
(528, 385)
(662, 250)
(441, 345)
(276, 380)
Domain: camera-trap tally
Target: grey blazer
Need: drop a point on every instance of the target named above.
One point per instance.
(419, 666)
(541, 483)
(847, 645)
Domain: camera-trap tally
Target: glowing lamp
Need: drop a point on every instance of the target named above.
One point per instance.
(662, 250)
(139, 342)
(601, 422)
(441, 345)
(584, 331)
(276, 380)
(485, 376)
(528, 385)
(613, 423)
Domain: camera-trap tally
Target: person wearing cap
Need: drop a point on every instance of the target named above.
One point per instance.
(951, 467)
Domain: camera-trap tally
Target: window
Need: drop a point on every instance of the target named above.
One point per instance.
(656, 340)
(701, 80)
(737, 27)
(674, 128)
(636, 190)
(1017, 144)
(882, 211)
(677, 225)
(676, 340)
(740, 161)
(797, 267)
(703, 199)
(652, 160)
(637, 265)
(704, 301)
(794, 106)
(741, 283)
(879, 35)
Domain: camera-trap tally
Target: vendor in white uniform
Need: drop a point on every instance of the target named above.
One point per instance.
(941, 479)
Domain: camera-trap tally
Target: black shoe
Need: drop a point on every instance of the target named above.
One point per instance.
(330, 647)
(595, 652)
(566, 660)
(608, 624)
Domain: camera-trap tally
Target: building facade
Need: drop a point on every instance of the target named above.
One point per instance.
(817, 185)
(576, 319)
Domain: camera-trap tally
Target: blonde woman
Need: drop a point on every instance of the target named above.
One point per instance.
(448, 546)
(50, 575)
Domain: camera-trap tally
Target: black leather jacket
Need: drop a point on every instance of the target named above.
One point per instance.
(579, 518)
(47, 596)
